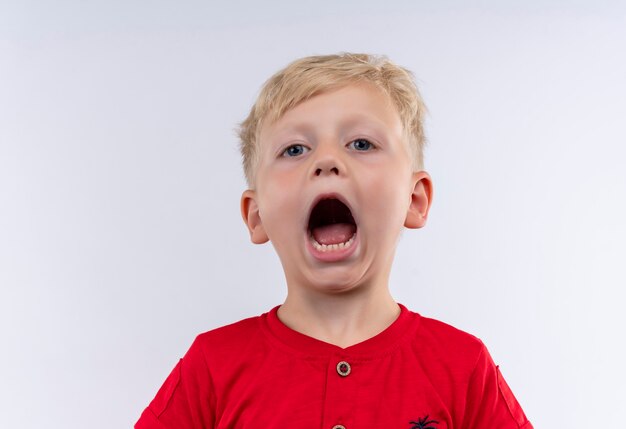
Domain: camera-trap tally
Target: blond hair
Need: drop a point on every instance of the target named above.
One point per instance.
(310, 76)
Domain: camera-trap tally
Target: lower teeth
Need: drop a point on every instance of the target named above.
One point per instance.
(331, 247)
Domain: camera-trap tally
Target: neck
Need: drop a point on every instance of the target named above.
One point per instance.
(342, 319)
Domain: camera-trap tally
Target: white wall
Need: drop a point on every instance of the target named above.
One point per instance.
(120, 235)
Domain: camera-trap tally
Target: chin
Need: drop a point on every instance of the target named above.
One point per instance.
(334, 281)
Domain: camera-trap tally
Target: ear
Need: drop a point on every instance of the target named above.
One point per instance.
(252, 218)
(421, 200)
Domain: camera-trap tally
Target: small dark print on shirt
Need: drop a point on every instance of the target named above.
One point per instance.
(423, 423)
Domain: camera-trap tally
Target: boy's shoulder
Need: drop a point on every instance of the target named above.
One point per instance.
(440, 344)
(438, 332)
(232, 335)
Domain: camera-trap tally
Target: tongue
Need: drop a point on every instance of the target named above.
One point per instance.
(334, 233)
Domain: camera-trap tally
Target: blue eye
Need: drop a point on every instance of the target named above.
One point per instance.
(295, 150)
(361, 145)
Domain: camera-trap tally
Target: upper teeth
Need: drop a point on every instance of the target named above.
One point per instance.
(331, 247)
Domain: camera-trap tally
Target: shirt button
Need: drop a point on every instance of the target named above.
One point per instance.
(339, 427)
(343, 369)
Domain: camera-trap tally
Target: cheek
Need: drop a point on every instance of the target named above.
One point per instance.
(391, 202)
(278, 205)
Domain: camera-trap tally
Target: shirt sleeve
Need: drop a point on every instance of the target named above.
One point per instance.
(185, 400)
(490, 401)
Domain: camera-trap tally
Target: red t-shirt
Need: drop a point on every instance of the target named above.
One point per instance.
(419, 373)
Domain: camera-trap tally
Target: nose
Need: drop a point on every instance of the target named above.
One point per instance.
(328, 162)
(319, 171)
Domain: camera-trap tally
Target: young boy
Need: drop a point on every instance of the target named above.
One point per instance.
(332, 154)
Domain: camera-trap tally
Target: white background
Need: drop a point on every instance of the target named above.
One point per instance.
(120, 233)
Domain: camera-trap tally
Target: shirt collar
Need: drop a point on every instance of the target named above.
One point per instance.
(381, 344)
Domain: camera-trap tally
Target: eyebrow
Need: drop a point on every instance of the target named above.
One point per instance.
(307, 129)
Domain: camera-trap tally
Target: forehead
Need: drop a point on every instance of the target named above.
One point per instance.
(354, 105)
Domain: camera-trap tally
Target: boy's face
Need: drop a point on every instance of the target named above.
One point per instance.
(334, 188)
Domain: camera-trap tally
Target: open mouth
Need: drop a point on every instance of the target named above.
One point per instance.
(331, 226)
